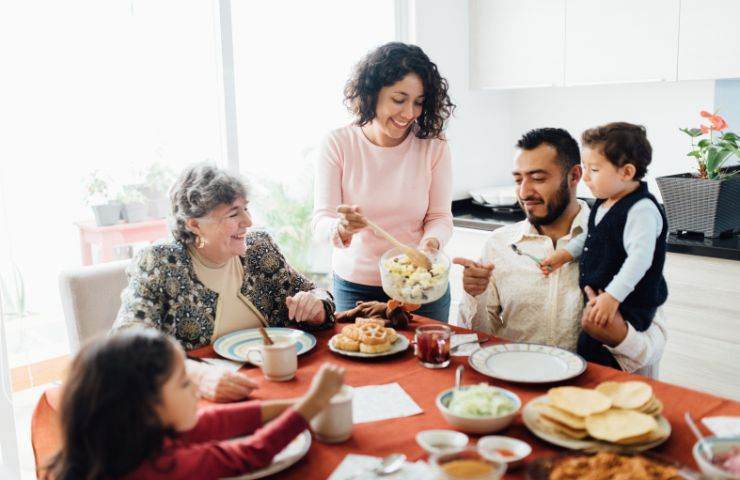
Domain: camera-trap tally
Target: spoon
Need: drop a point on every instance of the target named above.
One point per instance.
(265, 337)
(390, 464)
(697, 433)
(537, 260)
(416, 257)
(458, 376)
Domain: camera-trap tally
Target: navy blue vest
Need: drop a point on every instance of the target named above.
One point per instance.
(604, 254)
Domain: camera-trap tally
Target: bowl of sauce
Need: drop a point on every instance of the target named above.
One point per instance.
(509, 450)
(466, 464)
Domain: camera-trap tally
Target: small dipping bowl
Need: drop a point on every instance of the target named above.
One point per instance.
(512, 451)
(441, 441)
(717, 445)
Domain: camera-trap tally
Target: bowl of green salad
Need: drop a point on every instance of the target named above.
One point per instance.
(478, 408)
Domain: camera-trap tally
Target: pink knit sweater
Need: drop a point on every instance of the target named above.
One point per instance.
(406, 189)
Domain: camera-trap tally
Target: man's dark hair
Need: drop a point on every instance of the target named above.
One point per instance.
(566, 146)
(621, 143)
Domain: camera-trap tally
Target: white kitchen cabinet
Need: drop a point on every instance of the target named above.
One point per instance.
(701, 315)
(467, 243)
(516, 43)
(620, 42)
(709, 40)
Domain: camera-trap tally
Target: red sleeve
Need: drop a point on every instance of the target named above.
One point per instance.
(221, 422)
(215, 460)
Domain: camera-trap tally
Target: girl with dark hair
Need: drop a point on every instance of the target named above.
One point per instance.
(129, 412)
(392, 164)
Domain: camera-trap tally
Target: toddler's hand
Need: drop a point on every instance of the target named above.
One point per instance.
(559, 258)
(603, 309)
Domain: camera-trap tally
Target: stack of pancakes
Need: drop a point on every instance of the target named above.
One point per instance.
(622, 413)
(366, 335)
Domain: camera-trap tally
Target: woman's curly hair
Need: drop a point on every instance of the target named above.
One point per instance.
(387, 65)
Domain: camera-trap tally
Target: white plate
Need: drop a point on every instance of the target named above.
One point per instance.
(400, 345)
(295, 450)
(527, 363)
(530, 418)
(235, 345)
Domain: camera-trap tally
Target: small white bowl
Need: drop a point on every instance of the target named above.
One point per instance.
(716, 445)
(441, 441)
(477, 424)
(488, 445)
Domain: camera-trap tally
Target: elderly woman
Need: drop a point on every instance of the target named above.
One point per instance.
(215, 277)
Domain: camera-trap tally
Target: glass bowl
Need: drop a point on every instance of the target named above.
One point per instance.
(407, 283)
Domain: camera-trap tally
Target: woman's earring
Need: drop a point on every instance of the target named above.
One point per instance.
(200, 242)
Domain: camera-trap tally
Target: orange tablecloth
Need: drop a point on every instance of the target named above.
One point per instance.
(423, 385)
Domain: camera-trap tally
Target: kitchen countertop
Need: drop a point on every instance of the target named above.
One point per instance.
(467, 214)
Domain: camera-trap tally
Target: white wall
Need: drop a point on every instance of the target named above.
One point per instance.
(488, 123)
(661, 107)
(479, 135)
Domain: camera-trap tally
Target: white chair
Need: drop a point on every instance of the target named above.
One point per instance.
(91, 297)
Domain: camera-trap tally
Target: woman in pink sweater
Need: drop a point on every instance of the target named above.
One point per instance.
(391, 165)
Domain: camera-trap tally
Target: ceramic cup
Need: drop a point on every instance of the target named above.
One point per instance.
(334, 423)
(278, 361)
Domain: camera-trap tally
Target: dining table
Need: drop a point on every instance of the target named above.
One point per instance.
(397, 435)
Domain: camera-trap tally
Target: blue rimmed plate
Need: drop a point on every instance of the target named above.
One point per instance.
(527, 363)
(236, 345)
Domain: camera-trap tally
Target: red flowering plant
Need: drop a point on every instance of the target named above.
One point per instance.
(712, 153)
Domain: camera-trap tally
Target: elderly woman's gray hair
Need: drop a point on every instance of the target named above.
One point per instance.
(199, 190)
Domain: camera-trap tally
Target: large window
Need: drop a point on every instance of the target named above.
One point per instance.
(105, 88)
(292, 59)
(104, 99)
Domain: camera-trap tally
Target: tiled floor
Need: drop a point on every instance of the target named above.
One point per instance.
(35, 338)
(38, 353)
(35, 374)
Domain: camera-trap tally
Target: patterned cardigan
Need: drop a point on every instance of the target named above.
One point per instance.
(163, 291)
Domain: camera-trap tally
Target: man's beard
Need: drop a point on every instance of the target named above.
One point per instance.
(555, 208)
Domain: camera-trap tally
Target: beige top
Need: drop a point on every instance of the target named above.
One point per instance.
(234, 311)
(522, 305)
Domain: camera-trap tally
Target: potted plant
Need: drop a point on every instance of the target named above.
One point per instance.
(159, 178)
(135, 208)
(98, 197)
(705, 201)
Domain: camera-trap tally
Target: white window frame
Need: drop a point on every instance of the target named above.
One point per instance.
(227, 82)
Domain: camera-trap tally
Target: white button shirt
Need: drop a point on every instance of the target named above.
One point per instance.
(522, 305)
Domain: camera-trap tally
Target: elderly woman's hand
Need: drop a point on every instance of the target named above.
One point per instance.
(306, 307)
(219, 384)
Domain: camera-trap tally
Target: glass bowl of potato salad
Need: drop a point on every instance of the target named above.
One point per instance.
(405, 282)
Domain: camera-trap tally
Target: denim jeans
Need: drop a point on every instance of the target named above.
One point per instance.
(347, 294)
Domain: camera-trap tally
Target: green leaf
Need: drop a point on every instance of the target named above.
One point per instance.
(729, 136)
(703, 143)
(712, 159)
(694, 153)
(691, 132)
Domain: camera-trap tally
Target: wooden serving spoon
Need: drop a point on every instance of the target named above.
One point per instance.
(416, 257)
